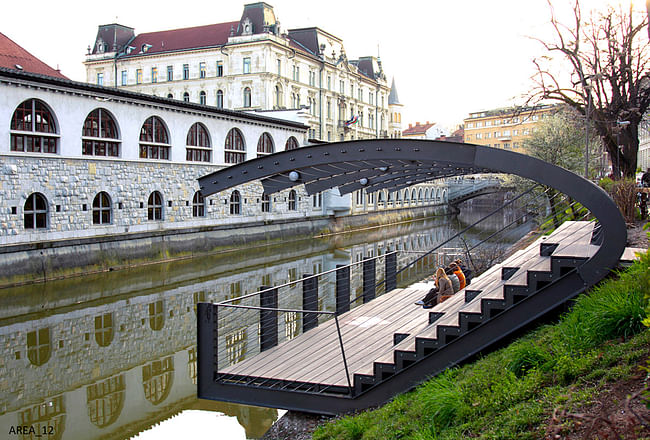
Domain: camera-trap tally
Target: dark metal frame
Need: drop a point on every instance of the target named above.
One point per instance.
(396, 163)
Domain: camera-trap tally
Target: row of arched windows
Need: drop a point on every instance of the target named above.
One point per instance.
(36, 207)
(408, 196)
(33, 129)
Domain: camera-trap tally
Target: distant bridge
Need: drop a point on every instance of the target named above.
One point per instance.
(464, 188)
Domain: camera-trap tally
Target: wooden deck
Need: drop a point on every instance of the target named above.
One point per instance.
(368, 331)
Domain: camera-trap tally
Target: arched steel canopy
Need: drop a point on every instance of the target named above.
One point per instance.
(397, 163)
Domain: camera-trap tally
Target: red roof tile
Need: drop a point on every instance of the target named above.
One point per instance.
(187, 38)
(12, 56)
(418, 129)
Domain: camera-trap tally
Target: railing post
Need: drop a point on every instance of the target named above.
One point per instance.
(268, 319)
(369, 267)
(207, 360)
(309, 301)
(345, 361)
(342, 289)
(391, 271)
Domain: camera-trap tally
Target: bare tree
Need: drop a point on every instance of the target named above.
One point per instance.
(608, 58)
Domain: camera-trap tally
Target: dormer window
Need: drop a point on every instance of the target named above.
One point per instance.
(145, 48)
(247, 27)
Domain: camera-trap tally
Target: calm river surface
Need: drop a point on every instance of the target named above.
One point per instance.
(113, 355)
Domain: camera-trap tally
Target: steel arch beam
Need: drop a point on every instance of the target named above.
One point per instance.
(447, 157)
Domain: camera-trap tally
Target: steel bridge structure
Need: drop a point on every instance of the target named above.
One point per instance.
(519, 294)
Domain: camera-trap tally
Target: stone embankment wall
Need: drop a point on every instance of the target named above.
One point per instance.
(71, 243)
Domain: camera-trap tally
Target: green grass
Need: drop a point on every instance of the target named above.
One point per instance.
(511, 393)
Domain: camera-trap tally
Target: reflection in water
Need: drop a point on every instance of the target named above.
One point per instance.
(114, 354)
(105, 400)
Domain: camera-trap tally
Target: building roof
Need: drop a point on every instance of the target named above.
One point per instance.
(110, 92)
(393, 99)
(504, 111)
(14, 57)
(210, 35)
(418, 128)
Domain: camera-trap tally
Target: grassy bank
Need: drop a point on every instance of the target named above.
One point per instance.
(512, 393)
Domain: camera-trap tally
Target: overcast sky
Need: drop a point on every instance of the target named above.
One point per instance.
(449, 58)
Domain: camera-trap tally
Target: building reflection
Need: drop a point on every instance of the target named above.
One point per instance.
(105, 400)
(46, 418)
(157, 379)
(125, 360)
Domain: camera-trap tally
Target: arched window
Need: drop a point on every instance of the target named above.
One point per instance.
(219, 99)
(234, 148)
(266, 203)
(170, 96)
(154, 140)
(198, 205)
(292, 143)
(426, 194)
(235, 203)
(35, 211)
(105, 400)
(413, 199)
(157, 379)
(406, 195)
(292, 200)
(33, 128)
(198, 144)
(99, 136)
(186, 97)
(156, 315)
(104, 329)
(155, 206)
(39, 346)
(102, 209)
(420, 195)
(264, 145)
(398, 196)
(278, 96)
(247, 97)
(202, 98)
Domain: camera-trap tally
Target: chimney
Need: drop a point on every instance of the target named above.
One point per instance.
(417, 123)
(410, 125)
(427, 122)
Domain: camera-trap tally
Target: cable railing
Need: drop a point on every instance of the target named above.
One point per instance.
(255, 323)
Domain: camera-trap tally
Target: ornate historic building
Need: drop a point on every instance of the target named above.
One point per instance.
(252, 65)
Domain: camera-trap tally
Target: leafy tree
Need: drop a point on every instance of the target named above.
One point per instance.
(560, 140)
(607, 58)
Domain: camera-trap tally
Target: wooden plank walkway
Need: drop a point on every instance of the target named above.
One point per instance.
(368, 330)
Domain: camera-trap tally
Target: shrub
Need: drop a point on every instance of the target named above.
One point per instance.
(442, 400)
(527, 356)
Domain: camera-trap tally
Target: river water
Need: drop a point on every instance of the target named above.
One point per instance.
(113, 355)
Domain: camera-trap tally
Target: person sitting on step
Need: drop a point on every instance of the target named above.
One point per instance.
(455, 282)
(459, 273)
(466, 271)
(439, 293)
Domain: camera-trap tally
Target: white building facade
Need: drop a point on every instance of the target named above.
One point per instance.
(251, 65)
(83, 161)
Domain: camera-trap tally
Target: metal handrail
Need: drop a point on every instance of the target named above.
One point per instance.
(224, 302)
(456, 236)
(316, 312)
